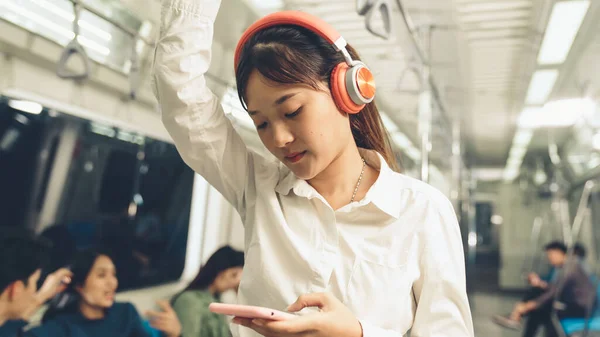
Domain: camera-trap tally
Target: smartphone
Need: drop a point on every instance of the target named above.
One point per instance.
(249, 311)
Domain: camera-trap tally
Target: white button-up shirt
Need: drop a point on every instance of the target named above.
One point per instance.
(394, 258)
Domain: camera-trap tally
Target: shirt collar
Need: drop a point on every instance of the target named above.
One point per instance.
(380, 194)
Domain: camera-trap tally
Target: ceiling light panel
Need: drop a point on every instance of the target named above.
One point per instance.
(541, 85)
(564, 23)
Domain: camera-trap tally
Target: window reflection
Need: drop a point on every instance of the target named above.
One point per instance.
(103, 42)
(120, 190)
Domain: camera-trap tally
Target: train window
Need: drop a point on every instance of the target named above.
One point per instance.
(82, 184)
(102, 40)
(132, 194)
(20, 142)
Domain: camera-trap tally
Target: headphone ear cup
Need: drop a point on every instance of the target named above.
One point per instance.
(339, 92)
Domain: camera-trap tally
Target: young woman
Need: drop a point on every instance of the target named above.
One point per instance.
(328, 225)
(92, 310)
(222, 272)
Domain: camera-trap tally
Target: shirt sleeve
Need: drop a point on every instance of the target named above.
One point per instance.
(48, 329)
(138, 329)
(188, 311)
(370, 330)
(12, 328)
(440, 291)
(565, 280)
(191, 113)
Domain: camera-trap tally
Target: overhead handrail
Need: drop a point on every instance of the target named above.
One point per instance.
(74, 48)
(423, 58)
(369, 8)
(129, 31)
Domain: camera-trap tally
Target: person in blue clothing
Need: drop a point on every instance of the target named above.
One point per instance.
(580, 253)
(20, 263)
(91, 310)
(576, 291)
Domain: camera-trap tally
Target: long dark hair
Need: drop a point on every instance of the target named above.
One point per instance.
(224, 258)
(291, 54)
(68, 301)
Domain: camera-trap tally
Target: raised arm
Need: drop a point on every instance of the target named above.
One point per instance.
(191, 113)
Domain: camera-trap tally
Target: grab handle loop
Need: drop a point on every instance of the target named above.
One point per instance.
(73, 48)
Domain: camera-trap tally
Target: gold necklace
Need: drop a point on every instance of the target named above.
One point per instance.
(359, 180)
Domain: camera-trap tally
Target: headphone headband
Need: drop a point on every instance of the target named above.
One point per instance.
(297, 18)
(352, 84)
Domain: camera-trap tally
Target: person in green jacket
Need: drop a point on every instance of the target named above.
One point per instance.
(222, 272)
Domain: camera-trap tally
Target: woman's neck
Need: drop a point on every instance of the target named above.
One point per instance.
(338, 182)
(91, 312)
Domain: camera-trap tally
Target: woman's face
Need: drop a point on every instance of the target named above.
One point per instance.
(101, 284)
(229, 279)
(301, 126)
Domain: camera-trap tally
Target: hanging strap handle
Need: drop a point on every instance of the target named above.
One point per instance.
(384, 10)
(74, 47)
(372, 7)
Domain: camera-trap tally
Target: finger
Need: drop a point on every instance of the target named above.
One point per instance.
(242, 321)
(301, 325)
(165, 306)
(259, 322)
(262, 331)
(61, 288)
(64, 275)
(161, 320)
(160, 325)
(156, 314)
(33, 279)
(56, 282)
(309, 300)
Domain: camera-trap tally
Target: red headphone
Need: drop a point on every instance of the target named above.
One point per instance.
(352, 83)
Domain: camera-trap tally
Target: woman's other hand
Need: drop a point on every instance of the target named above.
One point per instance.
(333, 319)
(165, 320)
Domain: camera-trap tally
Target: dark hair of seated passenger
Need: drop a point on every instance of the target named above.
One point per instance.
(21, 254)
(68, 301)
(224, 258)
(579, 250)
(556, 245)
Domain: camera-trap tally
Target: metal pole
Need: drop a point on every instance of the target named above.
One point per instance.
(456, 165)
(124, 28)
(422, 55)
(581, 210)
(425, 110)
(471, 244)
(530, 261)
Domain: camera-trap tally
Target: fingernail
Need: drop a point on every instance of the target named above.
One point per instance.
(258, 322)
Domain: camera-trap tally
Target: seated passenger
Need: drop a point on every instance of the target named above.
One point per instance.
(20, 256)
(580, 252)
(576, 291)
(92, 311)
(222, 272)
